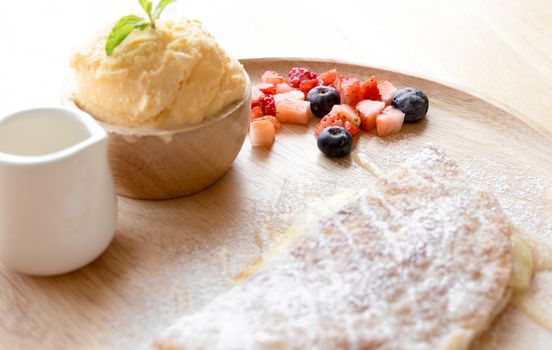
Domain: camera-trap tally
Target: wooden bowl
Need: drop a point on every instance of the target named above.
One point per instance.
(151, 164)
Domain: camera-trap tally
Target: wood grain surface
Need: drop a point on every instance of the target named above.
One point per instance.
(172, 257)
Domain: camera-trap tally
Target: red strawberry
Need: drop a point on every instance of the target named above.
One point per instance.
(261, 133)
(256, 96)
(352, 129)
(294, 112)
(335, 120)
(368, 111)
(347, 113)
(337, 82)
(370, 89)
(387, 91)
(351, 93)
(327, 121)
(283, 87)
(299, 74)
(291, 95)
(389, 121)
(272, 77)
(307, 85)
(273, 120)
(267, 88)
(328, 77)
(268, 105)
(256, 112)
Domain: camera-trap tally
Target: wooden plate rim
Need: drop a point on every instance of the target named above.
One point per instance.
(446, 84)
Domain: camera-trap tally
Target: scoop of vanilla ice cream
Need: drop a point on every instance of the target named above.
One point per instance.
(164, 78)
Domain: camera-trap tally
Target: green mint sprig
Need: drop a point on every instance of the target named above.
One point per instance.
(122, 29)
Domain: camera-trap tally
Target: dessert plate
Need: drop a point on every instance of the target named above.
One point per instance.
(172, 257)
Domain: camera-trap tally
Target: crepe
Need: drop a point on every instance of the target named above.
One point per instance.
(418, 259)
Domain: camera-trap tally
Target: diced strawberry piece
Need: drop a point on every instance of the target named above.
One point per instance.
(370, 89)
(334, 120)
(338, 80)
(368, 111)
(283, 87)
(306, 85)
(273, 120)
(327, 121)
(299, 74)
(352, 129)
(272, 77)
(267, 88)
(261, 133)
(294, 111)
(268, 105)
(387, 91)
(389, 121)
(256, 96)
(328, 77)
(351, 93)
(291, 95)
(347, 113)
(256, 112)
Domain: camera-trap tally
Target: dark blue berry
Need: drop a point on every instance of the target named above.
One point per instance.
(335, 141)
(412, 102)
(322, 99)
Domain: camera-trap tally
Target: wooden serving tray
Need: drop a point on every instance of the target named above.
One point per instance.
(171, 257)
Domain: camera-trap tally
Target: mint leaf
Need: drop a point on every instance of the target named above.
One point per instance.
(146, 5)
(127, 24)
(161, 6)
(122, 29)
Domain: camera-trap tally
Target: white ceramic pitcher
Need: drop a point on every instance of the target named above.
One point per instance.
(58, 209)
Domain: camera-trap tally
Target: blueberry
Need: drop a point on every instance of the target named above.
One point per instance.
(412, 102)
(335, 141)
(322, 99)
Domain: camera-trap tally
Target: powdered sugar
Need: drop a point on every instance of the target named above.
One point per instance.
(417, 260)
(203, 263)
